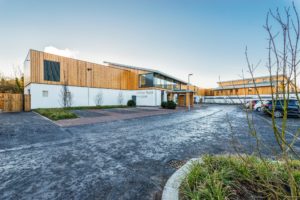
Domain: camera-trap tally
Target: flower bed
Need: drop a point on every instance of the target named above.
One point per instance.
(233, 177)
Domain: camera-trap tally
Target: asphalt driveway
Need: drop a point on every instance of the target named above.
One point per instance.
(127, 159)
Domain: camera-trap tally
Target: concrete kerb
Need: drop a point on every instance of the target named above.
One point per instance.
(46, 118)
(171, 189)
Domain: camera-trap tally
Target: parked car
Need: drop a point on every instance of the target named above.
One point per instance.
(250, 104)
(293, 108)
(259, 105)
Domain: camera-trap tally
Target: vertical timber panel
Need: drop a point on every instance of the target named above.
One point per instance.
(27, 102)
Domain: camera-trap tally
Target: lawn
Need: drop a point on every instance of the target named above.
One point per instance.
(56, 113)
(229, 177)
(66, 113)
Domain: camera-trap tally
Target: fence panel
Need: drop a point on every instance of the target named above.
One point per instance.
(11, 102)
(27, 103)
(1, 102)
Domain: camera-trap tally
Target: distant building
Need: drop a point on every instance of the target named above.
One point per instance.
(242, 90)
(259, 85)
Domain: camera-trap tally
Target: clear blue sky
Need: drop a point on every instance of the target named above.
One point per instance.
(203, 37)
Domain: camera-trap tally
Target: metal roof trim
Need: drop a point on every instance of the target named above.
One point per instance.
(146, 69)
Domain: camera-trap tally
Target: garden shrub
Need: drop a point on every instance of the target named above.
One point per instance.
(164, 104)
(171, 105)
(168, 104)
(131, 103)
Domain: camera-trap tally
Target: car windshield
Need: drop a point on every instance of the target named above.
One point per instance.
(290, 102)
(294, 102)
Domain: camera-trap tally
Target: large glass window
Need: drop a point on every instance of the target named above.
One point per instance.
(51, 71)
(170, 84)
(176, 85)
(166, 83)
(159, 81)
(146, 80)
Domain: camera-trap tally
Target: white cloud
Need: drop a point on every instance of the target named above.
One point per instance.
(62, 52)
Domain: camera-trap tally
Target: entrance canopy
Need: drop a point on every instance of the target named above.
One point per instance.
(185, 97)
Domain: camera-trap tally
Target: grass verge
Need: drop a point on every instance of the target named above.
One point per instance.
(56, 113)
(231, 177)
(65, 113)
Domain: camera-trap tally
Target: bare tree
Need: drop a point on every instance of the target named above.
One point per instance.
(120, 98)
(282, 64)
(18, 72)
(283, 31)
(66, 97)
(99, 98)
(19, 79)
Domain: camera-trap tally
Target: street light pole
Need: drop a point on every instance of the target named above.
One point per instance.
(189, 106)
(88, 69)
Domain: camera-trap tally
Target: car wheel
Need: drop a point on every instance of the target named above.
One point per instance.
(277, 114)
(258, 109)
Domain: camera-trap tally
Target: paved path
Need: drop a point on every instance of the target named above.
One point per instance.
(126, 159)
(110, 115)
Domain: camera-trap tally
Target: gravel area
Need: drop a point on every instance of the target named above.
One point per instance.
(124, 159)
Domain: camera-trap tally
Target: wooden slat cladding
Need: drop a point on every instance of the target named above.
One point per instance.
(82, 73)
(244, 91)
(131, 76)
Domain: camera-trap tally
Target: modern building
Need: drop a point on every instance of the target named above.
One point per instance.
(259, 85)
(89, 84)
(241, 90)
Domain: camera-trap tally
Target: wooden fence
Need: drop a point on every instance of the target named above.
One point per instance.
(27, 103)
(14, 102)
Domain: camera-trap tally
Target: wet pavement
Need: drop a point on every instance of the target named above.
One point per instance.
(126, 159)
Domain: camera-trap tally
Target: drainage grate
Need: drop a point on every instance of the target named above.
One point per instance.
(174, 163)
(157, 195)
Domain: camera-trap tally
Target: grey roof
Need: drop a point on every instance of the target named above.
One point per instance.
(145, 69)
(252, 85)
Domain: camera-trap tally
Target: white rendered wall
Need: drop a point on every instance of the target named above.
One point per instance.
(239, 99)
(80, 96)
(27, 89)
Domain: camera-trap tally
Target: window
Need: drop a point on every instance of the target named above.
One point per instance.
(146, 80)
(45, 93)
(51, 71)
(159, 81)
(166, 83)
(177, 86)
